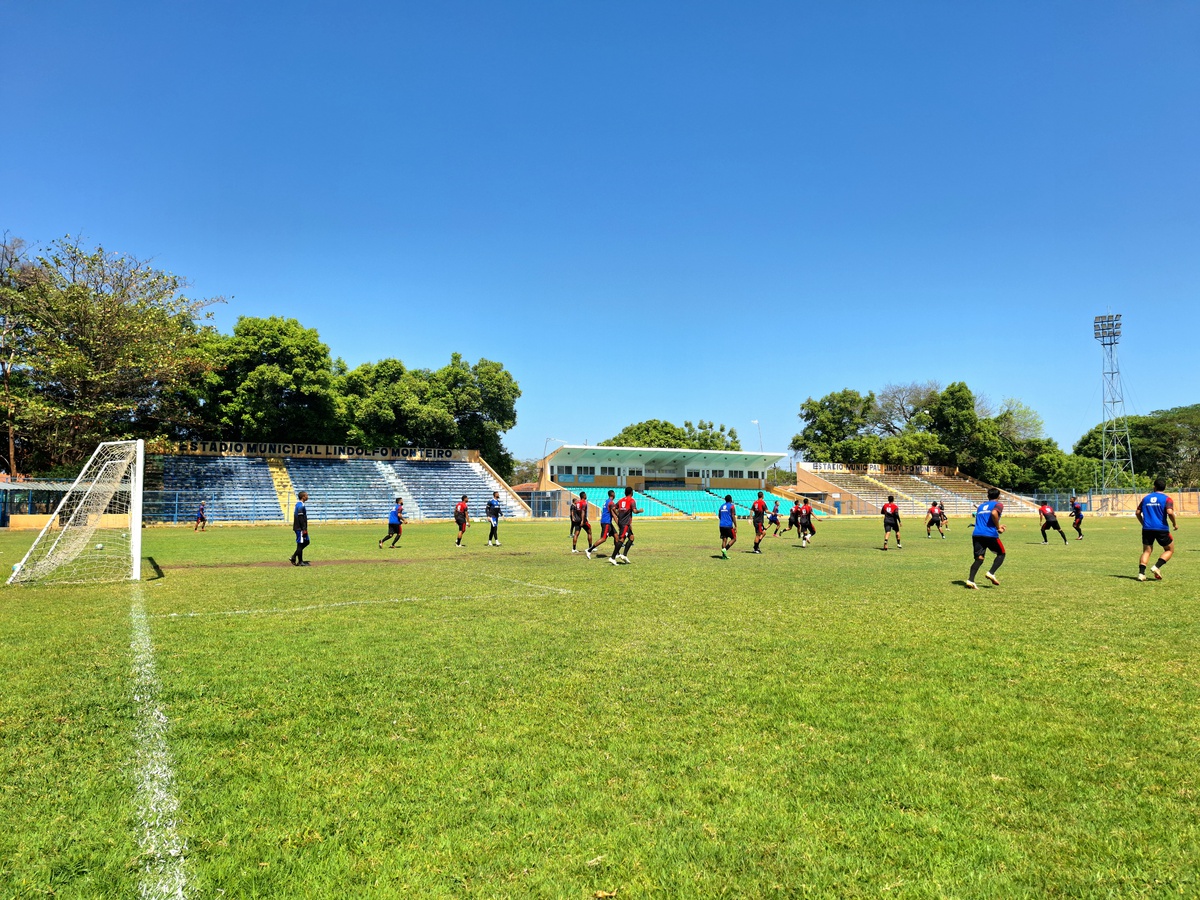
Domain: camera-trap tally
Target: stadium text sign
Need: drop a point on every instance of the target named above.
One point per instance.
(315, 451)
(874, 469)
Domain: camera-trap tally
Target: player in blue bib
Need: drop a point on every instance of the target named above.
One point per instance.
(987, 537)
(727, 521)
(1155, 511)
(493, 512)
(300, 526)
(395, 521)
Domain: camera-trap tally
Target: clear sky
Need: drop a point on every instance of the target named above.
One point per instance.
(645, 210)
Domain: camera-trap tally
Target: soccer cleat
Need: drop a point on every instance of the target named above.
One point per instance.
(990, 577)
(292, 560)
(724, 554)
(1157, 574)
(898, 546)
(574, 550)
(756, 550)
(971, 585)
(1141, 576)
(623, 558)
(497, 543)
(614, 561)
(588, 552)
(381, 545)
(306, 563)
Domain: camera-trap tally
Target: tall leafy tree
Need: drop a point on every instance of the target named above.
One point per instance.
(275, 382)
(102, 342)
(704, 435)
(833, 421)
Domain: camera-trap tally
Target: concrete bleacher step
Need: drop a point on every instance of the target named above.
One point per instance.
(283, 484)
(412, 509)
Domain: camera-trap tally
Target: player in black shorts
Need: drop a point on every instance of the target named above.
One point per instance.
(807, 529)
(1050, 521)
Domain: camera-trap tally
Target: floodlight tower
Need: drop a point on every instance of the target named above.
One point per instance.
(1116, 456)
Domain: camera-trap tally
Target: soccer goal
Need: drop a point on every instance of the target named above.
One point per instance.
(95, 533)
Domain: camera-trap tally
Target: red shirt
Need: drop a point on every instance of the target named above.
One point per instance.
(759, 508)
(1046, 510)
(582, 506)
(625, 508)
(806, 511)
(890, 511)
(460, 509)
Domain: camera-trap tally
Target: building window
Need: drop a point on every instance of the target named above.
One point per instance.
(693, 473)
(717, 473)
(587, 470)
(636, 473)
(608, 470)
(753, 474)
(562, 470)
(736, 473)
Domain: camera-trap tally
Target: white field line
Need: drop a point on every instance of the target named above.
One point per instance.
(316, 607)
(540, 587)
(162, 849)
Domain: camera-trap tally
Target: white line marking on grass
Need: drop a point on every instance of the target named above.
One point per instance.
(163, 874)
(540, 587)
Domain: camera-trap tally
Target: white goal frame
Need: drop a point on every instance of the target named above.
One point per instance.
(80, 527)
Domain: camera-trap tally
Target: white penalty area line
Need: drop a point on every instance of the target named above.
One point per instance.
(162, 849)
(540, 587)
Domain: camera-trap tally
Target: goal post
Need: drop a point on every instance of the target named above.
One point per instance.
(95, 532)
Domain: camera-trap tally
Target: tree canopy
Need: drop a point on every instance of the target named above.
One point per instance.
(924, 423)
(101, 346)
(660, 433)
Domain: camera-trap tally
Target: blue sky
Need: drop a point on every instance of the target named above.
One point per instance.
(646, 210)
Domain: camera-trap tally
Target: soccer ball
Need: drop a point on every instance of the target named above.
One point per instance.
(99, 546)
(16, 567)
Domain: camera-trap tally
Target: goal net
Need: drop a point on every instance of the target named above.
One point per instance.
(95, 533)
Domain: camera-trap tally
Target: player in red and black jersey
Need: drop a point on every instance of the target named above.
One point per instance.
(891, 521)
(933, 519)
(1050, 520)
(579, 522)
(626, 507)
(793, 519)
(460, 519)
(1077, 517)
(758, 513)
(807, 529)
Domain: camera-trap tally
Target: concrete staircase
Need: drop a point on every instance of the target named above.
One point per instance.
(283, 484)
(412, 509)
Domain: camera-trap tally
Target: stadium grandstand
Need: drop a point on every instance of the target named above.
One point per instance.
(243, 482)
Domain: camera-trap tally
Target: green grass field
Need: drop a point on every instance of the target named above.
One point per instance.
(521, 722)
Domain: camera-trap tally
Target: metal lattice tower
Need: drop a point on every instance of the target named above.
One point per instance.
(1116, 458)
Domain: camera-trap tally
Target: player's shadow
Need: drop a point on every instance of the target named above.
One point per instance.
(1127, 577)
(962, 582)
(717, 556)
(158, 572)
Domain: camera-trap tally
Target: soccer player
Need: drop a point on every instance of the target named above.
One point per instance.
(1154, 510)
(1077, 515)
(758, 512)
(727, 522)
(493, 512)
(793, 519)
(201, 518)
(607, 527)
(626, 508)
(933, 519)
(1050, 520)
(300, 526)
(891, 521)
(461, 520)
(942, 518)
(579, 522)
(987, 537)
(395, 520)
(773, 518)
(808, 530)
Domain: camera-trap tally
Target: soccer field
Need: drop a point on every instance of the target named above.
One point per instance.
(520, 722)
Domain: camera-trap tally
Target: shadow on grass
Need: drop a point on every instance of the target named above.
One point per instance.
(962, 582)
(1130, 577)
(158, 572)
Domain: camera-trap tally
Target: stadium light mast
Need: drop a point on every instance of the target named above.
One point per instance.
(1116, 455)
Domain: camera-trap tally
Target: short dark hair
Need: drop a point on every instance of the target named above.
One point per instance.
(612, 493)
(464, 496)
(1160, 484)
(398, 500)
(583, 495)
(891, 498)
(993, 493)
(729, 498)
(628, 492)
(760, 495)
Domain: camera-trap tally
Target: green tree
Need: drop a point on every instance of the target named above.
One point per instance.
(104, 344)
(275, 382)
(660, 433)
(1165, 443)
(831, 422)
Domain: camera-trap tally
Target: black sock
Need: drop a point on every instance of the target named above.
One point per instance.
(997, 562)
(975, 567)
(1161, 562)
(1142, 570)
